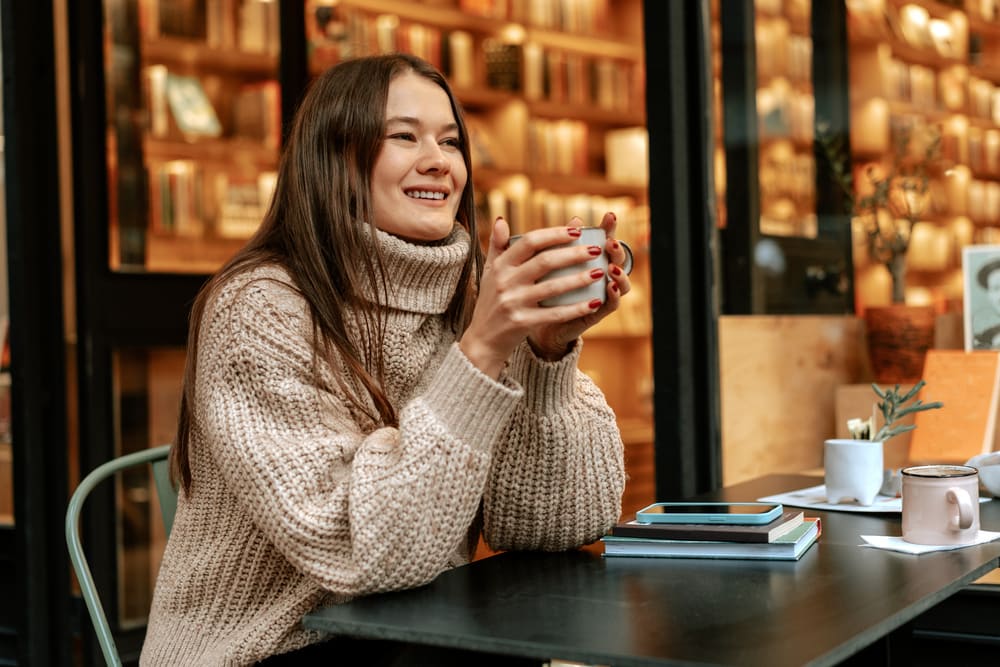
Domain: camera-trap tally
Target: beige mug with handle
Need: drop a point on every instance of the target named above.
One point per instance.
(940, 504)
(597, 290)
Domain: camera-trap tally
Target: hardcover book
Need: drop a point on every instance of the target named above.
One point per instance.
(712, 532)
(790, 546)
(191, 107)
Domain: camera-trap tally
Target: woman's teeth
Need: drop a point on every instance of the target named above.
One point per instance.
(420, 194)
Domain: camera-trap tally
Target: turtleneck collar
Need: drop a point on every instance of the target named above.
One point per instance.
(422, 278)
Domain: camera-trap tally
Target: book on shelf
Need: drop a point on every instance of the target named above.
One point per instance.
(220, 24)
(155, 88)
(257, 27)
(626, 156)
(190, 106)
(789, 546)
(177, 18)
(714, 532)
(177, 202)
(503, 65)
(457, 60)
(257, 113)
(491, 9)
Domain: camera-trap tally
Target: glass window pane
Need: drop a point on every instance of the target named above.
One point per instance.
(787, 169)
(147, 396)
(193, 128)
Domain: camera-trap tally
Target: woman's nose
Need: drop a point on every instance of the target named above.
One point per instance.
(433, 159)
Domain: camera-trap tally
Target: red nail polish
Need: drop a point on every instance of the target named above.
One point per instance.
(499, 218)
(614, 286)
(574, 231)
(596, 273)
(615, 270)
(616, 246)
(594, 304)
(594, 250)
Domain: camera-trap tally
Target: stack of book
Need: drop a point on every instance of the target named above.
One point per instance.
(786, 538)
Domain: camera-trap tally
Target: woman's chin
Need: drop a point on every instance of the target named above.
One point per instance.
(423, 235)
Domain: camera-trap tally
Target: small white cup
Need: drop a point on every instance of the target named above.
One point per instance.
(596, 290)
(852, 470)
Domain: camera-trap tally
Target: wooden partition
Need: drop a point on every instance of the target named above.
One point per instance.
(779, 376)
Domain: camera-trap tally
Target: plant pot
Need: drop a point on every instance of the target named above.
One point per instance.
(898, 337)
(852, 470)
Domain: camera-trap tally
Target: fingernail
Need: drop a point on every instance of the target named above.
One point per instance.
(614, 286)
(575, 231)
(615, 270)
(594, 250)
(499, 218)
(594, 304)
(613, 216)
(616, 246)
(596, 273)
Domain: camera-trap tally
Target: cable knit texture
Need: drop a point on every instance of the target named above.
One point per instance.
(298, 501)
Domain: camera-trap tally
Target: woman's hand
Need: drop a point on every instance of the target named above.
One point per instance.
(553, 341)
(508, 311)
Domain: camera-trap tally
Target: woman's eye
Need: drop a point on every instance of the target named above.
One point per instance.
(405, 136)
(453, 142)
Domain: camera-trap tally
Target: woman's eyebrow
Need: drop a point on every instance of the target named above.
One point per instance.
(410, 120)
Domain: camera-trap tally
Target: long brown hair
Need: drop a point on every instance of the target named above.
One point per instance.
(313, 228)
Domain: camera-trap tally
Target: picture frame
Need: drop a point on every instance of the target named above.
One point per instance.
(981, 297)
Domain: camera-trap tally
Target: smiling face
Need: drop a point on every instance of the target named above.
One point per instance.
(419, 174)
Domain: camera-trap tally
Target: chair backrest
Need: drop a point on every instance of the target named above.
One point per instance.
(157, 458)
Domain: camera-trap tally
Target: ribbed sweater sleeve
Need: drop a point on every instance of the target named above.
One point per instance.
(557, 476)
(357, 512)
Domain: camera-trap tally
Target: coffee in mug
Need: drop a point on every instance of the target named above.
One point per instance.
(597, 290)
(940, 504)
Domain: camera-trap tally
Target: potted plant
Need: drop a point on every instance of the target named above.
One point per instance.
(888, 203)
(854, 467)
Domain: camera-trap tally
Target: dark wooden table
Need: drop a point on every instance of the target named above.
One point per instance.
(838, 600)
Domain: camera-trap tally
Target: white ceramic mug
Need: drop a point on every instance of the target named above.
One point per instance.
(852, 470)
(940, 504)
(596, 290)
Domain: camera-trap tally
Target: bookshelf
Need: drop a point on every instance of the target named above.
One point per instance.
(785, 109)
(930, 66)
(194, 137)
(187, 54)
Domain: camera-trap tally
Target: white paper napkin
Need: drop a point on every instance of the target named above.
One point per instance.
(893, 543)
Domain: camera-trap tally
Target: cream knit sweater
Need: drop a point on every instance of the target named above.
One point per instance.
(297, 502)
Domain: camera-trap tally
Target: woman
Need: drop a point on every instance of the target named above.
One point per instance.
(358, 406)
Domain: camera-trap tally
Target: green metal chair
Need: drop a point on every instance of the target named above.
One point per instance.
(157, 458)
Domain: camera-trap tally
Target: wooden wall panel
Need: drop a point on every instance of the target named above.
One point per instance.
(779, 378)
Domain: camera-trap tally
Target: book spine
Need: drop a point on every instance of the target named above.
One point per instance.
(690, 535)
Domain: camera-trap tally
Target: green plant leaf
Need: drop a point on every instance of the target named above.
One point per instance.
(913, 392)
(893, 407)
